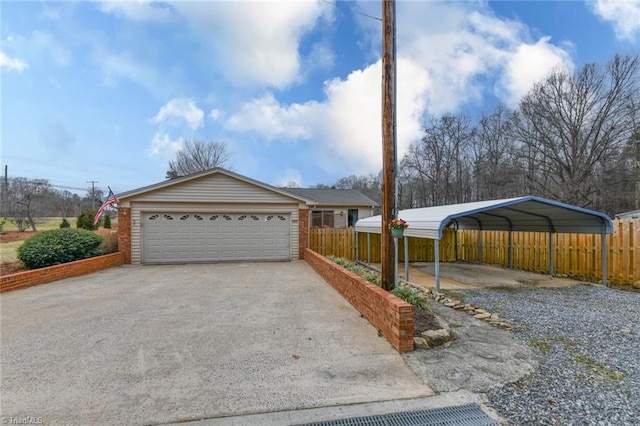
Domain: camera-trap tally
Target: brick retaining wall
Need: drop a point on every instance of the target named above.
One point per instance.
(58, 272)
(386, 312)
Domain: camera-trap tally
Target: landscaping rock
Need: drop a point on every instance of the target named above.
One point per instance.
(636, 285)
(420, 343)
(482, 316)
(437, 337)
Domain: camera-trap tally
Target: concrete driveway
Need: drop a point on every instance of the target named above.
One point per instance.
(157, 344)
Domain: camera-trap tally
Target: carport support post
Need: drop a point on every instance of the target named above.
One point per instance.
(480, 257)
(551, 268)
(436, 244)
(406, 258)
(368, 248)
(605, 263)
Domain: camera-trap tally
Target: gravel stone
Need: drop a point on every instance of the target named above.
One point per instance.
(586, 340)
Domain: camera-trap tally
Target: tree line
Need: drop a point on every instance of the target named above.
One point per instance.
(25, 201)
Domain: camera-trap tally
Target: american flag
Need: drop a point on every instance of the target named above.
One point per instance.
(111, 199)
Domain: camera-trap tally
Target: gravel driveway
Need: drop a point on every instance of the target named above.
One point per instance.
(587, 342)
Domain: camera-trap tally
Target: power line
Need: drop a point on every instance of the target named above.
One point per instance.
(354, 11)
(93, 193)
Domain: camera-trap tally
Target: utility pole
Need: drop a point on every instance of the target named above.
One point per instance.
(636, 166)
(389, 160)
(5, 191)
(93, 193)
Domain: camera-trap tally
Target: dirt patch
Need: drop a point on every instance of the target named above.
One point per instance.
(12, 236)
(490, 276)
(8, 268)
(423, 320)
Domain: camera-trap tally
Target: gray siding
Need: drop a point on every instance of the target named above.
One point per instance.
(217, 188)
(137, 208)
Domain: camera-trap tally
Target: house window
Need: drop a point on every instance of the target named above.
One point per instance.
(322, 218)
(352, 218)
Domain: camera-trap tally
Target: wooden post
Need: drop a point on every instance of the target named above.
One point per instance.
(388, 143)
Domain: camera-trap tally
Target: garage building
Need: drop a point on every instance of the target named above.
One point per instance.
(211, 216)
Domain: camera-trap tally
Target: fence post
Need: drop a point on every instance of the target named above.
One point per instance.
(605, 264)
(510, 249)
(551, 269)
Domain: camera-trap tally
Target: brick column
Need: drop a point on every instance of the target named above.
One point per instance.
(124, 233)
(303, 230)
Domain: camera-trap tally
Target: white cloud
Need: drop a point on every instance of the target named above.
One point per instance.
(178, 111)
(256, 43)
(12, 64)
(289, 177)
(460, 44)
(215, 114)
(449, 54)
(321, 57)
(163, 145)
(44, 42)
(265, 115)
(346, 128)
(137, 10)
(37, 46)
(354, 111)
(623, 14)
(529, 64)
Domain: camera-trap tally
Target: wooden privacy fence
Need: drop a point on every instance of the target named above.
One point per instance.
(576, 255)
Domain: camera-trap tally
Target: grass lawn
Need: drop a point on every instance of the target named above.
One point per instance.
(44, 224)
(8, 251)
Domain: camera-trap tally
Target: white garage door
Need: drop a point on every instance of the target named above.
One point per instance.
(213, 237)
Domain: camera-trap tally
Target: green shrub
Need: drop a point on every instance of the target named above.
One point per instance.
(411, 295)
(58, 246)
(65, 223)
(106, 222)
(85, 221)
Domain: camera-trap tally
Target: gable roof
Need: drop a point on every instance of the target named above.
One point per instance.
(634, 214)
(533, 214)
(333, 197)
(218, 170)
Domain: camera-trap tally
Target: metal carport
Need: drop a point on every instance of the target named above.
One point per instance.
(528, 214)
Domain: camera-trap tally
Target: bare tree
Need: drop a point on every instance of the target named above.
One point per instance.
(440, 163)
(198, 155)
(568, 124)
(24, 199)
(495, 170)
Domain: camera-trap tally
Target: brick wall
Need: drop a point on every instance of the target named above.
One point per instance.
(124, 233)
(303, 230)
(386, 312)
(58, 272)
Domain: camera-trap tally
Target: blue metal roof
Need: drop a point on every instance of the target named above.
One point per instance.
(529, 214)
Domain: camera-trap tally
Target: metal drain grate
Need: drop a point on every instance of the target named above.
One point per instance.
(464, 415)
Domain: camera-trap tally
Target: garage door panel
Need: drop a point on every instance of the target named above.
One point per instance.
(202, 237)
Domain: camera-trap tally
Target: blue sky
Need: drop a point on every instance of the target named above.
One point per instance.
(108, 91)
